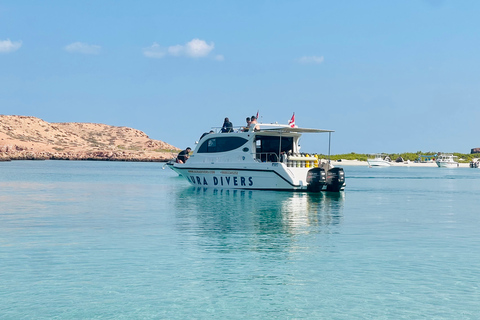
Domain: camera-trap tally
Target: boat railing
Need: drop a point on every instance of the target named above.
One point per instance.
(267, 157)
(235, 129)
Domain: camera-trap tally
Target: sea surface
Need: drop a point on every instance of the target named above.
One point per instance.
(118, 240)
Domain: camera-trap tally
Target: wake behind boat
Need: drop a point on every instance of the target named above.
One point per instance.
(265, 158)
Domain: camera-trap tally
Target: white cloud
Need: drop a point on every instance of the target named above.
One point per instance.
(311, 60)
(219, 57)
(9, 46)
(84, 48)
(154, 51)
(194, 49)
(198, 48)
(176, 50)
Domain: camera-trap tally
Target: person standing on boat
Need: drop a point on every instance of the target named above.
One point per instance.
(247, 127)
(253, 125)
(183, 155)
(227, 126)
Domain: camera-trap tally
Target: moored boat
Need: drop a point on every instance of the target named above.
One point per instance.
(446, 160)
(267, 158)
(475, 163)
(378, 160)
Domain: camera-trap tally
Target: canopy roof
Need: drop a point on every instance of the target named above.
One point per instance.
(281, 128)
(287, 128)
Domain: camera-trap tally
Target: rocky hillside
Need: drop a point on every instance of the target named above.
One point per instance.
(24, 137)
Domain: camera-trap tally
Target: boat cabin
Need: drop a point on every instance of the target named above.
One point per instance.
(272, 143)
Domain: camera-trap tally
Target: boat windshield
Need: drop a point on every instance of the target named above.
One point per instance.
(221, 144)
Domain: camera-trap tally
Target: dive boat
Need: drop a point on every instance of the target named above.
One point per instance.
(446, 160)
(267, 157)
(379, 161)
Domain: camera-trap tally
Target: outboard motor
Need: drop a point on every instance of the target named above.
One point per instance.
(316, 179)
(335, 179)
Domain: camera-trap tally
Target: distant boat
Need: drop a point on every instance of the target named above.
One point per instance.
(446, 160)
(378, 160)
(475, 163)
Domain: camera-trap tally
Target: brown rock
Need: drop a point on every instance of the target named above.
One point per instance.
(25, 137)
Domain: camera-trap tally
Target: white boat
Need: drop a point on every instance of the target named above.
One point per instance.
(265, 159)
(446, 160)
(379, 160)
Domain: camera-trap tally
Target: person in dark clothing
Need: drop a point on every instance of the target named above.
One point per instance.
(183, 155)
(227, 126)
(203, 135)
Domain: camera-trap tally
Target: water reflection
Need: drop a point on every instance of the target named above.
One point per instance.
(263, 219)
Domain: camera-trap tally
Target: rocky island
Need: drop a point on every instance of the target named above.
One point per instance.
(30, 138)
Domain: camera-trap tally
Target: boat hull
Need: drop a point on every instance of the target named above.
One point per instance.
(378, 163)
(271, 176)
(442, 164)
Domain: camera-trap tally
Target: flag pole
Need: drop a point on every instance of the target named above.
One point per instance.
(329, 142)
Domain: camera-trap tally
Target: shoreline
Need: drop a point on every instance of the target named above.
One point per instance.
(90, 156)
(169, 156)
(394, 164)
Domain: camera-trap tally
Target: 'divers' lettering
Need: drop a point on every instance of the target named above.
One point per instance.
(222, 181)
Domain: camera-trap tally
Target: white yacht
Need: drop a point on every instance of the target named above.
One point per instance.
(446, 160)
(378, 160)
(267, 158)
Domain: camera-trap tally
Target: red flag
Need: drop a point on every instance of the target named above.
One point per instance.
(257, 115)
(291, 123)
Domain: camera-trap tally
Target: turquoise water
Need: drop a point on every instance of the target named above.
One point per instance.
(114, 240)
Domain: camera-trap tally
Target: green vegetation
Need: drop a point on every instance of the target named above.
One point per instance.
(347, 156)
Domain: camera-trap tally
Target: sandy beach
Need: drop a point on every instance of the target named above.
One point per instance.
(393, 164)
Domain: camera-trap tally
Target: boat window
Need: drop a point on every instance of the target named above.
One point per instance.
(270, 148)
(273, 144)
(212, 143)
(221, 144)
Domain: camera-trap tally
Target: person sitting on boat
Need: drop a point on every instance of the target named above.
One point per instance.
(247, 127)
(183, 155)
(227, 126)
(253, 125)
(205, 133)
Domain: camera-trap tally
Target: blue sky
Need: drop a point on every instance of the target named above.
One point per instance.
(387, 76)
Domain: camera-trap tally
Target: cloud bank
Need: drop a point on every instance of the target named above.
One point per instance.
(310, 60)
(194, 49)
(84, 48)
(9, 46)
